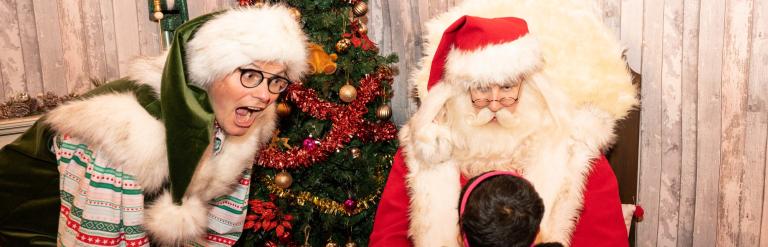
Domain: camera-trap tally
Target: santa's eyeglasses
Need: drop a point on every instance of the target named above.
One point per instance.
(251, 78)
(504, 92)
(506, 101)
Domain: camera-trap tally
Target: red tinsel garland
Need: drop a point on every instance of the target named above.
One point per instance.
(348, 122)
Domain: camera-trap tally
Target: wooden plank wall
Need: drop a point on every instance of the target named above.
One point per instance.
(704, 122)
(704, 65)
(57, 46)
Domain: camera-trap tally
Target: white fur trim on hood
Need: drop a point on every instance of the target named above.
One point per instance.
(241, 36)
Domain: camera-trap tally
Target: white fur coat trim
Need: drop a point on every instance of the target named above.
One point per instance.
(116, 125)
(496, 63)
(559, 160)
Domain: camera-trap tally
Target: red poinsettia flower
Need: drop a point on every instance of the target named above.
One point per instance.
(266, 216)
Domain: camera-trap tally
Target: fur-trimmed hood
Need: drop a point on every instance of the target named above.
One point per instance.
(582, 88)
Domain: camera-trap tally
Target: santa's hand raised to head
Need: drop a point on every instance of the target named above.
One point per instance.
(432, 142)
(431, 138)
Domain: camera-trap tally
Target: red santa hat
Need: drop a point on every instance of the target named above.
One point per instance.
(476, 51)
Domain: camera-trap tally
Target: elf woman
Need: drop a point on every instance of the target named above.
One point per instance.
(162, 156)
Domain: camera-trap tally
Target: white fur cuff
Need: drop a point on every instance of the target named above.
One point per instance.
(432, 143)
(169, 224)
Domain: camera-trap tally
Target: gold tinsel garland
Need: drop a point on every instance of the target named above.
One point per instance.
(326, 206)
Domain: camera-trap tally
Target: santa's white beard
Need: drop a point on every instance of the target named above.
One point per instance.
(482, 145)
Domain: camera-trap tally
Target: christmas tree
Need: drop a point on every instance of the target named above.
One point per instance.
(319, 180)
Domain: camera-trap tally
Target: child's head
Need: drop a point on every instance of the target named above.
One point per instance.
(499, 209)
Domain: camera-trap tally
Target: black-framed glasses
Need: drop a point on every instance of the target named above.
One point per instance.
(251, 78)
(506, 101)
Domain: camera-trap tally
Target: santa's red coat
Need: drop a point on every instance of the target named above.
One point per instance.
(599, 224)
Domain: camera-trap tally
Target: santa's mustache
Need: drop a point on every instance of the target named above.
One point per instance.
(504, 117)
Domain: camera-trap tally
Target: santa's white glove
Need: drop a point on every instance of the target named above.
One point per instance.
(432, 142)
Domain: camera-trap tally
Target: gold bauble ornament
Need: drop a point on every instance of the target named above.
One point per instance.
(295, 13)
(283, 180)
(355, 152)
(347, 93)
(350, 244)
(362, 29)
(283, 109)
(343, 45)
(258, 5)
(384, 112)
(331, 244)
(360, 9)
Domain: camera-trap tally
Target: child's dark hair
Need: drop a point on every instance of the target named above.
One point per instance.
(501, 210)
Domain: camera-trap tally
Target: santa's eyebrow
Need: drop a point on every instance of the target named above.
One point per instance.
(508, 84)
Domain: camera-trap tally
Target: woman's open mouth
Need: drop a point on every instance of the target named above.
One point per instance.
(245, 115)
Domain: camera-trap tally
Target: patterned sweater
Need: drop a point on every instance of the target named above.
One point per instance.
(103, 206)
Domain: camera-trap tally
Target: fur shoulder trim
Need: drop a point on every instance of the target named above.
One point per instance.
(148, 70)
(118, 126)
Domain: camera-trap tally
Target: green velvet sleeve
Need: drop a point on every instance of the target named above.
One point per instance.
(29, 190)
(29, 177)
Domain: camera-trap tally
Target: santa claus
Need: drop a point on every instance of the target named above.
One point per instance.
(532, 86)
